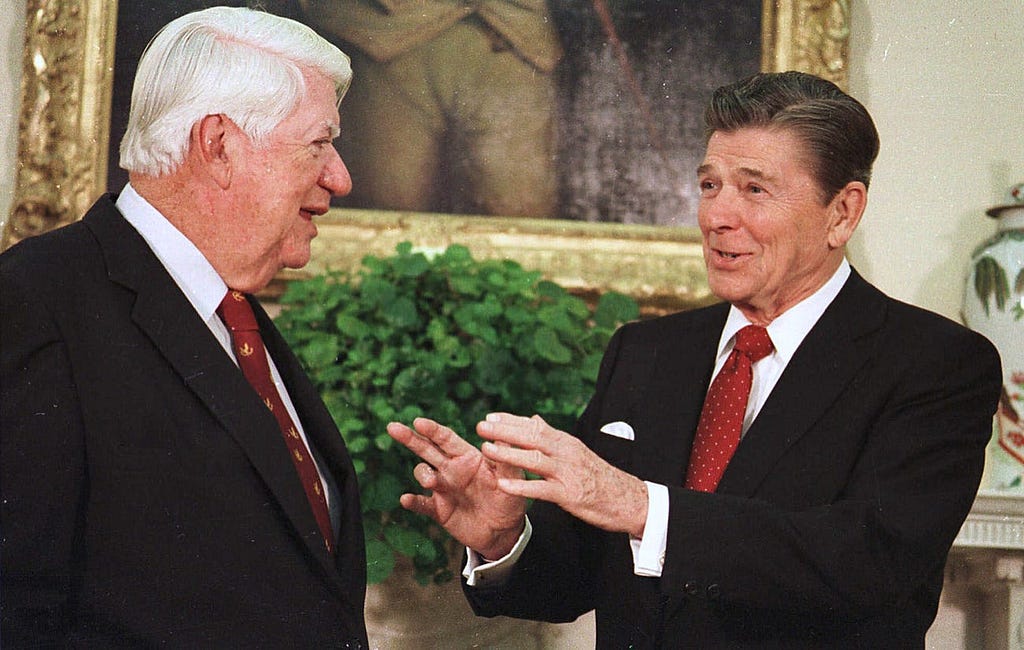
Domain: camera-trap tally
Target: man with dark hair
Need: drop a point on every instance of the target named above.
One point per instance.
(785, 469)
(170, 476)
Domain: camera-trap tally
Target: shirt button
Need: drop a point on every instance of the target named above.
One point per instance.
(714, 592)
(691, 588)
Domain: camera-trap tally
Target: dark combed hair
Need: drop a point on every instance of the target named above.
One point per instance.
(836, 129)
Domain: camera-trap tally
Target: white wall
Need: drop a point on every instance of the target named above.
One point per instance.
(944, 82)
(12, 37)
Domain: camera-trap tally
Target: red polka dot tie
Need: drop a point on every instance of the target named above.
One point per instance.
(237, 314)
(721, 419)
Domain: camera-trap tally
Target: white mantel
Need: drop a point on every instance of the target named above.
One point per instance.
(996, 521)
(983, 600)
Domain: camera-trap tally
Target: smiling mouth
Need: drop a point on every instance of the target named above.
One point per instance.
(727, 255)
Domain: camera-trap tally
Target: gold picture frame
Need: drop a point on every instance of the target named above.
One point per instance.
(64, 136)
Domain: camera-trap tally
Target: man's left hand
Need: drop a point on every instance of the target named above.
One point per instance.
(571, 475)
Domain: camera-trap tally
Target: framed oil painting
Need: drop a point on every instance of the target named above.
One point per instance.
(603, 145)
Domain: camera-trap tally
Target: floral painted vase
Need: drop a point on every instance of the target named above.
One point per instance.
(994, 306)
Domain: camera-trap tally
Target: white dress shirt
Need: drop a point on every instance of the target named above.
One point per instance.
(787, 332)
(197, 279)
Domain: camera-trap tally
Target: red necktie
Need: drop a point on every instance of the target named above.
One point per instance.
(237, 314)
(721, 419)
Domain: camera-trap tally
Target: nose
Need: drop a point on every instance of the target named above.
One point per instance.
(718, 212)
(335, 177)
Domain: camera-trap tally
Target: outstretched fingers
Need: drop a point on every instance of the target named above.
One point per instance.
(432, 442)
(530, 460)
(527, 443)
(517, 431)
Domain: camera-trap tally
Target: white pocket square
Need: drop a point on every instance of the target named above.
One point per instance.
(619, 430)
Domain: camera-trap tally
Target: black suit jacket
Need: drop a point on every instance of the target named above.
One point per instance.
(148, 496)
(831, 524)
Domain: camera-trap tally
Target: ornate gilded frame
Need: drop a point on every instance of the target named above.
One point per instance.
(64, 133)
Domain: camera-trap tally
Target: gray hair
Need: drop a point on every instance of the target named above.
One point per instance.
(836, 129)
(243, 63)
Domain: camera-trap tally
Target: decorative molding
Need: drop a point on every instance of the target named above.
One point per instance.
(67, 73)
(995, 521)
(808, 35)
(64, 135)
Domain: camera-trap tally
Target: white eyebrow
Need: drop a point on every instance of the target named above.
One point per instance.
(333, 130)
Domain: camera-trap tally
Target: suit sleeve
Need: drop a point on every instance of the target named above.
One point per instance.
(41, 470)
(919, 416)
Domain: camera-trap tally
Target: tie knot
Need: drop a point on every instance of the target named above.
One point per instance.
(753, 341)
(236, 312)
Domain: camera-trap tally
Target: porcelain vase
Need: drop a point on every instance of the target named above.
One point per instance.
(994, 306)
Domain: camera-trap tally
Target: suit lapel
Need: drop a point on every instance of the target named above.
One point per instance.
(685, 358)
(826, 361)
(165, 315)
(324, 436)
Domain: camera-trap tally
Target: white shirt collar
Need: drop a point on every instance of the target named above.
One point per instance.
(788, 330)
(191, 271)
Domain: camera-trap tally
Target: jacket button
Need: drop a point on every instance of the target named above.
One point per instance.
(691, 588)
(714, 592)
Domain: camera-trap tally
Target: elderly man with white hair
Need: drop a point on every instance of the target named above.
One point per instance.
(169, 474)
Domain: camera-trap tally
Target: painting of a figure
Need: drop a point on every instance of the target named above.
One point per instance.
(455, 108)
(563, 109)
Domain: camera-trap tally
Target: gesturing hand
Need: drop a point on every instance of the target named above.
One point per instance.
(465, 498)
(571, 475)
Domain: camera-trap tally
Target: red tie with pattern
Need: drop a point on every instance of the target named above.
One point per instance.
(237, 314)
(721, 419)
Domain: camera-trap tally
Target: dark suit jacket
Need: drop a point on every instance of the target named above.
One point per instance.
(148, 496)
(831, 525)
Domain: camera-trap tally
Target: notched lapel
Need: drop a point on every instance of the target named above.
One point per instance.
(165, 315)
(667, 410)
(231, 399)
(323, 435)
(823, 366)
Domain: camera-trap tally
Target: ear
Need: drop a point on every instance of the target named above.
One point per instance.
(846, 209)
(209, 144)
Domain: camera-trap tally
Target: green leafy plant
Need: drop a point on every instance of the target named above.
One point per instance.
(447, 337)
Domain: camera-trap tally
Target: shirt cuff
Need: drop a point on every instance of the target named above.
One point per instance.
(481, 573)
(649, 552)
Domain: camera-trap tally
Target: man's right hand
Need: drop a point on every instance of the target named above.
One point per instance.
(464, 495)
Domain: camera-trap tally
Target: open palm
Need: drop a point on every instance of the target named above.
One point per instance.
(464, 495)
